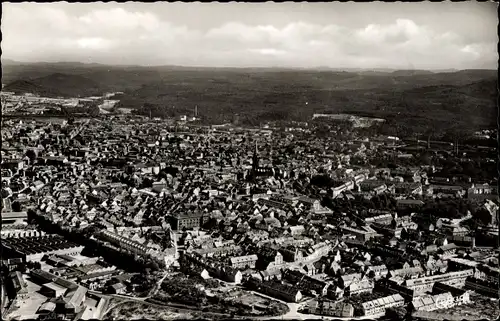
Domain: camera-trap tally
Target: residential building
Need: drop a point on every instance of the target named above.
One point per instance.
(378, 306)
(244, 262)
(280, 291)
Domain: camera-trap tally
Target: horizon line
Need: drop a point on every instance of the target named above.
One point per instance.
(244, 67)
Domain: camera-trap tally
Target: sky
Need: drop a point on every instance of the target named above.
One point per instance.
(421, 35)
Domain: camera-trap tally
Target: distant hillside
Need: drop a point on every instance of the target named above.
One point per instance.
(414, 98)
(469, 106)
(258, 98)
(57, 84)
(26, 86)
(411, 72)
(121, 78)
(8, 62)
(71, 85)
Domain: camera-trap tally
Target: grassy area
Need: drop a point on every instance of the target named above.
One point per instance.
(137, 311)
(202, 296)
(247, 304)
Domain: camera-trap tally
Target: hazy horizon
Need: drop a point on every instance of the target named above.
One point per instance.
(239, 67)
(376, 35)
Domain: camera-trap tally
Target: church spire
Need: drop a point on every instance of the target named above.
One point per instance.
(255, 161)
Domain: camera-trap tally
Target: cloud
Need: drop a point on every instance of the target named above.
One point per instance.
(117, 35)
(119, 20)
(269, 51)
(94, 43)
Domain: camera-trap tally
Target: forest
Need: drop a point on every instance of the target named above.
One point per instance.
(413, 102)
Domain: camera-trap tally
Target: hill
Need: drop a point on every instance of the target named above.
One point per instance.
(71, 85)
(26, 86)
(57, 85)
(439, 100)
(412, 98)
(411, 72)
(121, 78)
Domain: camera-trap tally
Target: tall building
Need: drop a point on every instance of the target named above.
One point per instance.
(257, 170)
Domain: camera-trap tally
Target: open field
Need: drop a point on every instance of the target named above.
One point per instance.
(138, 311)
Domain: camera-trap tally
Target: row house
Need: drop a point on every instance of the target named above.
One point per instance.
(359, 287)
(388, 250)
(395, 287)
(207, 269)
(378, 306)
(332, 309)
(220, 251)
(274, 204)
(379, 271)
(365, 233)
(461, 296)
(347, 186)
(407, 273)
(450, 190)
(305, 282)
(424, 284)
(458, 264)
(243, 262)
(21, 233)
(432, 302)
(482, 287)
(124, 242)
(383, 219)
(227, 274)
(482, 192)
(487, 274)
(277, 290)
(286, 199)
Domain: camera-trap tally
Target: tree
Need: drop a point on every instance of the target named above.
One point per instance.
(483, 216)
(323, 181)
(154, 265)
(31, 155)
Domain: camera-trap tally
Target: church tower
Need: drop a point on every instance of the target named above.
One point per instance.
(255, 159)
